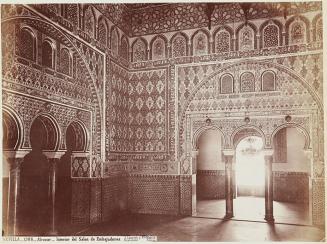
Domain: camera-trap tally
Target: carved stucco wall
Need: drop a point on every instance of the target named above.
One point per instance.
(149, 110)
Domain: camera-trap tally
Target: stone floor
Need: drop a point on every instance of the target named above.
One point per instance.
(253, 208)
(169, 228)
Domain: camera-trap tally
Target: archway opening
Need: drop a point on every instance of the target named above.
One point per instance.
(291, 177)
(75, 137)
(76, 141)
(43, 134)
(249, 179)
(35, 179)
(210, 175)
(10, 142)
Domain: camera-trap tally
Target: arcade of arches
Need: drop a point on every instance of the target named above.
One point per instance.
(189, 110)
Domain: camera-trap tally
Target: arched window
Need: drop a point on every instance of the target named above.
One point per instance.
(102, 32)
(47, 54)
(179, 46)
(270, 36)
(246, 38)
(297, 32)
(158, 48)
(268, 81)
(65, 61)
(226, 84)
(89, 21)
(139, 51)
(114, 42)
(247, 82)
(200, 43)
(26, 44)
(124, 48)
(222, 41)
(70, 12)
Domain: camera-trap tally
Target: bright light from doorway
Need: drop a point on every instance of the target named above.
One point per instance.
(250, 162)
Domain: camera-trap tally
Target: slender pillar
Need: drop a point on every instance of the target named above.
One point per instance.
(13, 192)
(269, 210)
(228, 156)
(53, 163)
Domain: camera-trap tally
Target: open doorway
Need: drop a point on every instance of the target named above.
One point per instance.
(249, 200)
(210, 178)
(291, 177)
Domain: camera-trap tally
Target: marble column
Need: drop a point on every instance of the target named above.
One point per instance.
(269, 210)
(53, 164)
(53, 158)
(228, 157)
(13, 191)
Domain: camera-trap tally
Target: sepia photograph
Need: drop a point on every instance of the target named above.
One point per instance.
(163, 121)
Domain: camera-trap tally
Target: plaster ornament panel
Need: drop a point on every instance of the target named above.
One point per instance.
(179, 46)
(26, 43)
(158, 48)
(226, 84)
(89, 21)
(114, 42)
(139, 50)
(102, 32)
(200, 43)
(71, 13)
(124, 48)
(247, 82)
(157, 19)
(270, 36)
(268, 81)
(297, 32)
(222, 41)
(246, 38)
(319, 30)
(65, 61)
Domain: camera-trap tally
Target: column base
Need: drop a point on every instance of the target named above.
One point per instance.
(229, 216)
(269, 218)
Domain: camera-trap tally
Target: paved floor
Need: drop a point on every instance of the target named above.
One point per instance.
(253, 208)
(169, 228)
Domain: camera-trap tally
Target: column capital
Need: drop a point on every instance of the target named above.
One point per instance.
(56, 154)
(268, 152)
(228, 152)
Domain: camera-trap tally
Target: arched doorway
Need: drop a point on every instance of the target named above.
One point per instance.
(249, 188)
(291, 176)
(76, 142)
(10, 141)
(35, 182)
(210, 175)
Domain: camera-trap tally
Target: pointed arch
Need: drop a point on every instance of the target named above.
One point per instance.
(271, 33)
(247, 41)
(158, 47)
(124, 48)
(114, 41)
(200, 42)
(290, 29)
(102, 31)
(179, 45)
(223, 39)
(139, 50)
(89, 21)
(317, 26)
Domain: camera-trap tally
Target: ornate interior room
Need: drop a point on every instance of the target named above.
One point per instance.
(184, 121)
